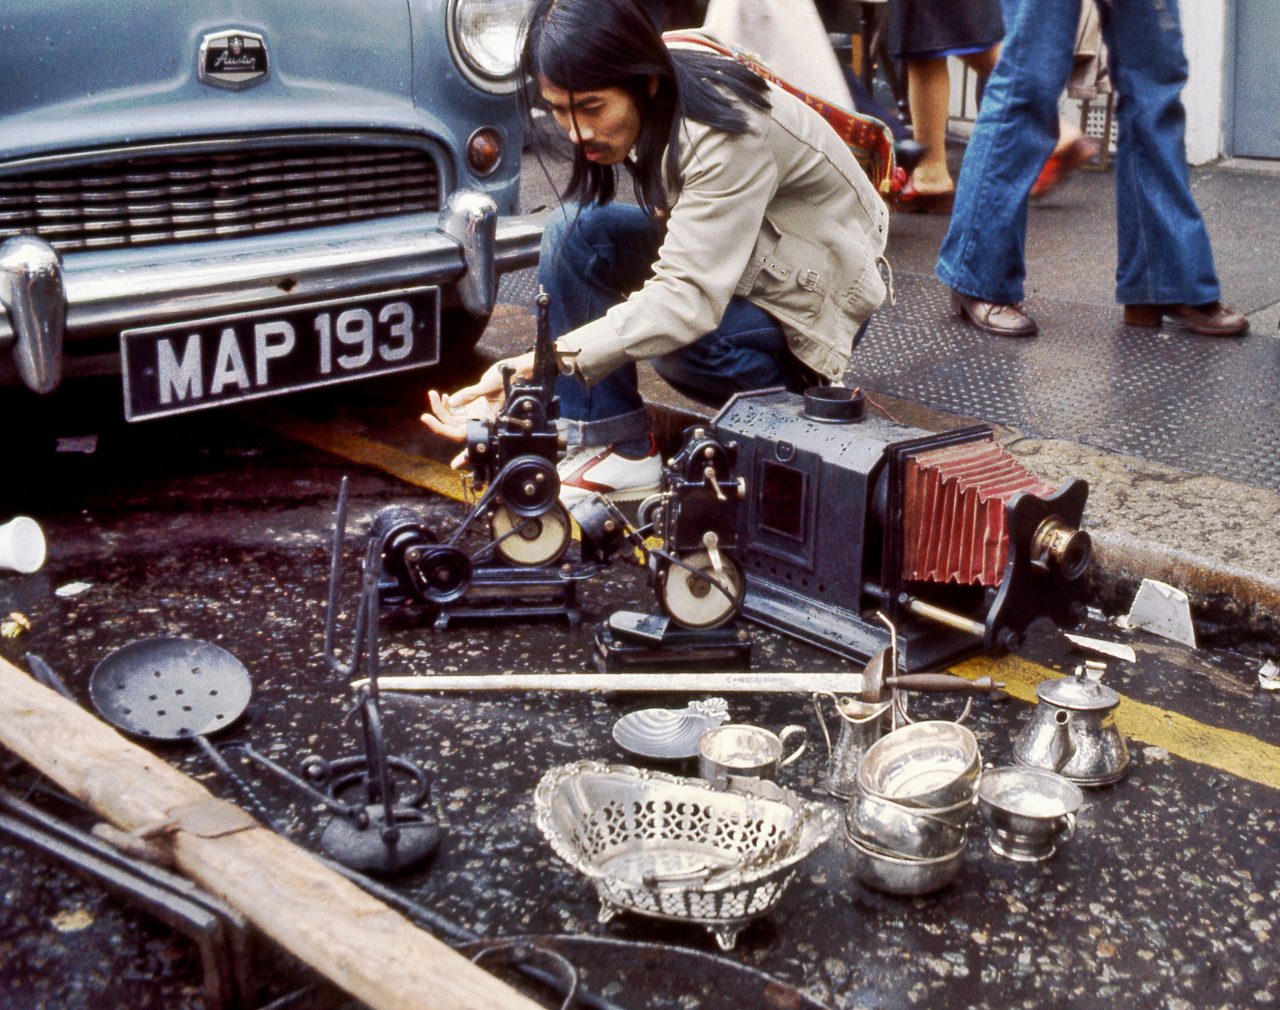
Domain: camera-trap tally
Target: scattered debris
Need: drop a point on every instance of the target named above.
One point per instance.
(14, 625)
(1162, 610)
(1113, 649)
(72, 921)
(1269, 676)
(72, 589)
(87, 444)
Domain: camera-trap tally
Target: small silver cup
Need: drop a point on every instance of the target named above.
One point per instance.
(740, 751)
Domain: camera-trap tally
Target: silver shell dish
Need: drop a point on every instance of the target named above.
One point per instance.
(675, 848)
(669, 734)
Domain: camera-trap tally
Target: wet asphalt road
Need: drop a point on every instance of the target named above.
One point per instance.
(216, 525)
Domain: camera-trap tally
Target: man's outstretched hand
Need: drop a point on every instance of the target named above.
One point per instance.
(449, 413)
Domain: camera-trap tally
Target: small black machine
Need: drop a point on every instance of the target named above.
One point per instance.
(695, 575)
(945, 533)
(507, 556)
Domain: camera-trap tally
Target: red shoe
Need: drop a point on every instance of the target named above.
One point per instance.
(911, 201)
(1062, 164)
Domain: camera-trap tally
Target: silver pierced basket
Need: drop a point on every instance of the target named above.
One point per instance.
(675, 848)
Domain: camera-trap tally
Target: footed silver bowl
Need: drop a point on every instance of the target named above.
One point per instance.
(675, 848)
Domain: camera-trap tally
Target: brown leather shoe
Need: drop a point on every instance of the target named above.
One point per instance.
(1213, 319)
(992, 317)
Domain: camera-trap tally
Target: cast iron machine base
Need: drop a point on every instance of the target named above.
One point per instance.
(695, 574)
(631, 641)
(510, 556)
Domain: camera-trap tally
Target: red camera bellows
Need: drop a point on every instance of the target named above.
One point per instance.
(955, 526)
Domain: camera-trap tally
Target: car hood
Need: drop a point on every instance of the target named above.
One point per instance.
(84, 73)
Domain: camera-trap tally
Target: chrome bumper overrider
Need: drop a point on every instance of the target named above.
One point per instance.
(48, 299)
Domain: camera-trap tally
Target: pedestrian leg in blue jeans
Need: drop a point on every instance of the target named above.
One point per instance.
(1164, 252)
(984, 252)
(590, 261)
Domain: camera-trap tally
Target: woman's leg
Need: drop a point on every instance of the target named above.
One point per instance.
(929, 95)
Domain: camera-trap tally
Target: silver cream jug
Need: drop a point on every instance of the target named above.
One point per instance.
(862, 723)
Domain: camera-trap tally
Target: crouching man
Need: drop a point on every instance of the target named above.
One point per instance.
(750, 259)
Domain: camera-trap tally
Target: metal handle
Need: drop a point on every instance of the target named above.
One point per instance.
(822, 721)
(653, 880)
(791, 731)
(1069, 827)
(937, 683)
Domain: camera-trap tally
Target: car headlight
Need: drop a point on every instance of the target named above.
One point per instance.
(485, 35)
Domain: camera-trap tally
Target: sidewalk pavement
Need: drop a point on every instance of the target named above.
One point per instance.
(1177, 435)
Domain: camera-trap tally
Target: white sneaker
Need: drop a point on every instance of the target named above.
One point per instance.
(604, 471)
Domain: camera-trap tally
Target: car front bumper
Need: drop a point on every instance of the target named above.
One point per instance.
(49, 300)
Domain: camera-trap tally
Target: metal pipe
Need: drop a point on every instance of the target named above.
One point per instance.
(663, 683)
(940, 616)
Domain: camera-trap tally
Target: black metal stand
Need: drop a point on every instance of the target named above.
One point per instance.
(638, 642)
(504, 593)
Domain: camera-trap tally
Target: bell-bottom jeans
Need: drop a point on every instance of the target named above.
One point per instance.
(1163, 252)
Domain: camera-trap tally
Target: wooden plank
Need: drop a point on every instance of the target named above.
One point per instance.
(364, 947)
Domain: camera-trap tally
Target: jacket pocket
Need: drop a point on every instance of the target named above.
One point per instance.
(866, 294)
(789, 273)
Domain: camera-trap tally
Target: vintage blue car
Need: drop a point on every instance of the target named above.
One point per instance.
(228, 200)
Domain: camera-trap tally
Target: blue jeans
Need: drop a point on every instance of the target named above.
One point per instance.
(590, 261)
(1162, 245)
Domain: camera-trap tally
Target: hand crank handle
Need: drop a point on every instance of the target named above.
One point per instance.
(936, 683)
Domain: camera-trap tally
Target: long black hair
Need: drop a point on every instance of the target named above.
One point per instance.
(586, 45)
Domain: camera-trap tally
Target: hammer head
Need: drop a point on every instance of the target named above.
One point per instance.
(873, 676)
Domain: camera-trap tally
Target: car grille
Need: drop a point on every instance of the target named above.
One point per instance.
(224, 195)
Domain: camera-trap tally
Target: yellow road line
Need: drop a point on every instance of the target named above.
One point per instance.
(1227, 750)
(1224, 749)
(413, 469)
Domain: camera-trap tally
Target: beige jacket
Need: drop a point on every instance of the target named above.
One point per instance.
(781, 214)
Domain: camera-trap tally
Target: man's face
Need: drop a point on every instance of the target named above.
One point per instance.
(604, 123)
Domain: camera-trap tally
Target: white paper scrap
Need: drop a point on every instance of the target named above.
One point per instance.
(1113, 649)
(1162, 610)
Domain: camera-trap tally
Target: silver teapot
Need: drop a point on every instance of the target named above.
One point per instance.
(1072, 730)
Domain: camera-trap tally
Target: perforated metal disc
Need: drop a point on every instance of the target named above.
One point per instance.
(539, 541)
(695, 601)
(170, 688)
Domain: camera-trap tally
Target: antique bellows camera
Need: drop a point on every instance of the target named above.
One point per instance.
(945, 533)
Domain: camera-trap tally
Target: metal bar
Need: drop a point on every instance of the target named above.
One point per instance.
(662, 683)
(209, 278)
(198, 924)
(234, 926)
(945, 617)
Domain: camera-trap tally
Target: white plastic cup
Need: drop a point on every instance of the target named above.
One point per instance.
(21, 545)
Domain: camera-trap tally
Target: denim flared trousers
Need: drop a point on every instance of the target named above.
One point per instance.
(591, 259)
(1163, 251)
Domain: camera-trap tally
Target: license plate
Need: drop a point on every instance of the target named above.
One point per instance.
(180, 367)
